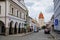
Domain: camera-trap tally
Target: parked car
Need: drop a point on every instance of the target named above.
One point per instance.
(47, 31)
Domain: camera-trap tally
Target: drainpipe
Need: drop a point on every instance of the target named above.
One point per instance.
(5, 16)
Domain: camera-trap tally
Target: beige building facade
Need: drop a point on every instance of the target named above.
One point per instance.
(12, 16)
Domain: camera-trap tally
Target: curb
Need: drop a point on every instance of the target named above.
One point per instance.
(53, 36)
(27, 34)
(22, 35)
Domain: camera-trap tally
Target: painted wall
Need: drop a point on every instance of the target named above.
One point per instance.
(57, 14)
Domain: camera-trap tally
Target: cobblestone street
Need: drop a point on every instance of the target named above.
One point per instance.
(34, 36)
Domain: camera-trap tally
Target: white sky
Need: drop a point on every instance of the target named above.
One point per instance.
(37, 6)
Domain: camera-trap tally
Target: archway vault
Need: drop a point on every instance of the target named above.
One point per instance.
(19, 28)
(15, 28)
(11, 27)
(2, 27)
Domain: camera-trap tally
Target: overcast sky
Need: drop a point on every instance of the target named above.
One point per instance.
(37, 6)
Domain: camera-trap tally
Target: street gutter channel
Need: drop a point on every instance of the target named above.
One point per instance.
(53, 36)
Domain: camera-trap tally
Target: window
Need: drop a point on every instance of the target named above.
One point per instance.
(59, 6)
(24, 15)
(20, 14)
(0, 9)
(17, 13)
(12, 10)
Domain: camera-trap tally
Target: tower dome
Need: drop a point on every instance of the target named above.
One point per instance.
(41, 16)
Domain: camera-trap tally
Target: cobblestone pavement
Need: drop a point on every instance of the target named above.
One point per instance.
(34, 36)
(55, 35)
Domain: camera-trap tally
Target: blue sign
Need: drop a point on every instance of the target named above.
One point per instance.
(56, 22)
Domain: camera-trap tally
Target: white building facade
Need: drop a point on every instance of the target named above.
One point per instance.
(30, 21)
(57, 15)
(12, 16)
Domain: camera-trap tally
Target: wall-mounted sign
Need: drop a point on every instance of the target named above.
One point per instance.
(56, 22)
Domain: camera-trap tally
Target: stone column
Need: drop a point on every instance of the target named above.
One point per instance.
(6, 31)
(17, 30)
(12, 30)
(20, 30)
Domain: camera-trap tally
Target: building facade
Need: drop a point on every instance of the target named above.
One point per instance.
(35, 25)
(57, 15)
(32, 23)
(12, 16)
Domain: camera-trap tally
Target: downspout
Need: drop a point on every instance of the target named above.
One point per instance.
(5, 16)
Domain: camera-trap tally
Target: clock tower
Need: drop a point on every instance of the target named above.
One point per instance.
(41, 19)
